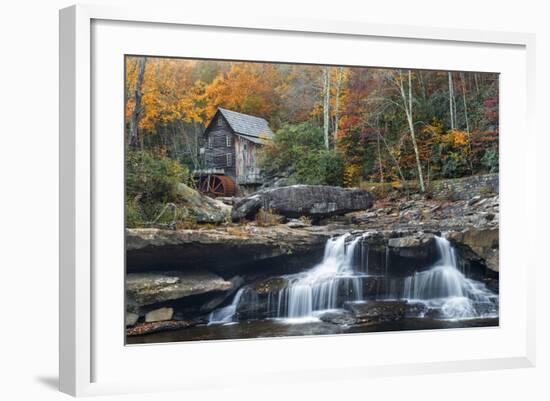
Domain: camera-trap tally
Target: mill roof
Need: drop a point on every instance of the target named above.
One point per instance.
(255, 129)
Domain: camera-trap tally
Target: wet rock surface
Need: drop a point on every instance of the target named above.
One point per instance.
(376, 311)
(479, 245)
(153, 327)
(270, 328)
(397, 240)
(341, 317)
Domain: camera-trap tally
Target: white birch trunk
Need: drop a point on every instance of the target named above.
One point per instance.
(339, 77)
(464, 102)
(407, 103)
(326, 104)
(451, 105)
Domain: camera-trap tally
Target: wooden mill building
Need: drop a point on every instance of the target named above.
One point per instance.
(231, 152)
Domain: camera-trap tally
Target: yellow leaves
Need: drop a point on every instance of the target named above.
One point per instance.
(352, 173)
(434, 128)
(434, 133)
(165, 92)
(457, 138)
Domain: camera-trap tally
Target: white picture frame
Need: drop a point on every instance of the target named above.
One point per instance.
(84, 355)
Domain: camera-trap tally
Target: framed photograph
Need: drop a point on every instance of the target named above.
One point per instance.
(236, 192)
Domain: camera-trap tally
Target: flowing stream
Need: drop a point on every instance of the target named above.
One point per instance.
(340, 278)
(445, 287)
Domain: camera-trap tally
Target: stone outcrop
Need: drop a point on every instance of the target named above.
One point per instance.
(182, 275)
(465, 188)
(226, 250)
(478, 245)
(340, 317)
(201, 208)
(153, 327)
(417, 246)
(315, 201)
(377, 311)
(159, 315)
(131, 318)
(151, 288)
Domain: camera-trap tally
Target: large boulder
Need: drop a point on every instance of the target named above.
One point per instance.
(415, 246)
(159, 315)
(315, 201)
(151, 288)
(201, 208)
(478, 245)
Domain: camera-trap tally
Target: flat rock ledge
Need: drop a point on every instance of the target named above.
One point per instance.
(223, 250)
(151, 288)
(153, 327)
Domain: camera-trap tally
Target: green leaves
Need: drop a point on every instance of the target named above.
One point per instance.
(151, 182)
(300, 150)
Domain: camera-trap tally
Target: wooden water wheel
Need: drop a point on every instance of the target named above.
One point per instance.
(217, 185)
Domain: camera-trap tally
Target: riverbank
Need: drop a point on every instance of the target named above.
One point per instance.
(177, 279)
(280, 328)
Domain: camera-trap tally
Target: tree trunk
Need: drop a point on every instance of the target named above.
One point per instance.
(407, 105)
(464, 102)
(326, 104)
(136, 110)
(399, 171)
(379, 152)
(339, 74)
(451, 105)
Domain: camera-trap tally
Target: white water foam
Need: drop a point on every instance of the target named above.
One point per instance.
(446, 288)
(339, 279)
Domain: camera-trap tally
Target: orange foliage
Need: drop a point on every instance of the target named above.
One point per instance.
(247, 88)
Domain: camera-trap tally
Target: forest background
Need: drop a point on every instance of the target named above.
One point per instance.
(333, 125)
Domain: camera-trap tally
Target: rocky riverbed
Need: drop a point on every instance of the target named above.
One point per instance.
(177, 278)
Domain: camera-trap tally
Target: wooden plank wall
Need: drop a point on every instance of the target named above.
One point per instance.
(216, 155)
(247, 163)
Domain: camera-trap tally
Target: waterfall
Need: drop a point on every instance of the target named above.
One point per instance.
(227, 313)
(328, 285)
(443, 289)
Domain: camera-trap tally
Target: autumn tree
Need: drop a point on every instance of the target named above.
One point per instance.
(136, 101)
(377, 124)
(248, 88)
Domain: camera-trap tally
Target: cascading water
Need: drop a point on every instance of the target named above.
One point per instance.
(227, 313)
(446, 288)
(326, 286)
(341, 276)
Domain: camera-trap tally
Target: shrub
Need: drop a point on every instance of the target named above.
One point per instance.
(153, 178)
(151, 183)
(266, 218)
(490, 160)
(133, 214)
(300, 149)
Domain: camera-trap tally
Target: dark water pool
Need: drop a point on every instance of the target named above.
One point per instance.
(280, 328)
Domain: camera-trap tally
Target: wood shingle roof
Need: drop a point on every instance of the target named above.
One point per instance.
(252, 128)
